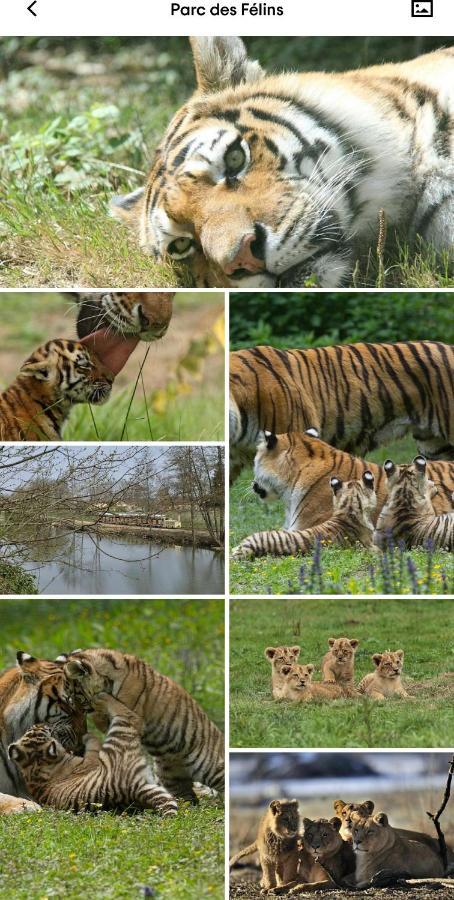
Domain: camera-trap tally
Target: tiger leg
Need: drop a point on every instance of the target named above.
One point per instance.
(154, 796)
(92, 746)
(176, 779)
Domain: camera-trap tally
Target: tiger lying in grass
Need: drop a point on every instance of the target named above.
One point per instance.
(51, 381)
(266, 178)
(113, 775)
(408, 515)
(350, 523)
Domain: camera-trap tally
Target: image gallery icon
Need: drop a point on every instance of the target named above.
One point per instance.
(422, 8)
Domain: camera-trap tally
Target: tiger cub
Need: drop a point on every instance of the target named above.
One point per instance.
(385, 681)
(51, 381)
(113, 775)
(350, 522)
(146, 315)
(278, 657)
(188, 747)
(408, 515)
(35, 691)
(339, 662)
(298, 685)
(297, 468)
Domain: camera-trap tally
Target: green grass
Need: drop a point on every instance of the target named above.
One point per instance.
(420, 627)
(343, 570)
(63, 855)
(73, 137)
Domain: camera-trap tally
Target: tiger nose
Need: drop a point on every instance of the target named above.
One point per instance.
(244, 258)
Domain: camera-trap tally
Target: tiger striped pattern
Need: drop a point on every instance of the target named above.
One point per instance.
(188, 747)
(408, 515)
(262, 180)
(297, 468)
(33, 692)
(51, 381)
(357, 396)
(115, 775)
(144, 314)
(350, 522)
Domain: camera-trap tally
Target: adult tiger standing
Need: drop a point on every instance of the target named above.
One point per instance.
(33, 692)
(356, 396)
(265, 178)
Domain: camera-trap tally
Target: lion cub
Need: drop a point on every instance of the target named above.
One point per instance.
(385, 681)
(321, 844)
(278, 657)
(353, 812)
(277, 844)
(378, 846)
(298, 685)
(338, 663)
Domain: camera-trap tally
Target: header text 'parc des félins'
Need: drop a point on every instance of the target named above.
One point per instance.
(218, 9)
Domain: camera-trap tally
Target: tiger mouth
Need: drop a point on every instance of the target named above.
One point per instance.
(100, 394)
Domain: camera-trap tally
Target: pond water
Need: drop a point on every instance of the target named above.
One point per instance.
(85, 563)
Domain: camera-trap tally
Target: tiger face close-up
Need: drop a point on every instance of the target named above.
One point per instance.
(51, 381)
(145, 315)
(34, 691)
(265, 179)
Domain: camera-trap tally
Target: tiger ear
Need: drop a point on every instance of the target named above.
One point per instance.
(62, 657)
(420, 463)
(52, 751)
(39, 369)
(75, 669)
(127, 207)
(14, 752)
(389, 467)
(23, 658)
(312, 432)
(270, 439)
(336, 484)
(24, 661)
(222, 62)
(368, 480)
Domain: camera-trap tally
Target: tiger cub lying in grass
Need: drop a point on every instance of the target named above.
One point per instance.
(114, 775)
(408, 514)
(350, 522)
(51, 381)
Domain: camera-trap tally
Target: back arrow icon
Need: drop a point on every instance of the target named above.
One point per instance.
(30, 8)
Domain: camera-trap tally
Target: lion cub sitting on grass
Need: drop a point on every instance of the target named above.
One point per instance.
(277, 844)
(298, 685)
(339, 662)
(385, 681)
(379, 848)
(278, 657)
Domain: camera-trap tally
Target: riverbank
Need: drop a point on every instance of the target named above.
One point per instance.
(179, 537)
(15, 580)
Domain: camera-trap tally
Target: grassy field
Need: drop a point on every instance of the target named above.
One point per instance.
(119, 856)
(341, 571)
(80, 121)
(163, 393)
(422, 628)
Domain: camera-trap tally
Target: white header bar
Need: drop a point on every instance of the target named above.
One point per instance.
(150, 18)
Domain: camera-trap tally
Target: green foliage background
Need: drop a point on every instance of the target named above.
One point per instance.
(312, 319)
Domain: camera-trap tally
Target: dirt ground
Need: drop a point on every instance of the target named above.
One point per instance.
(188, 323)
(438, 891)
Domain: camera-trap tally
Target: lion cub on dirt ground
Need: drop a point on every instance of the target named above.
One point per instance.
(321, 845)
(277, 844)
(339, 662)
(378, 848)
(385, 681)
(298, 685)
(278, 657)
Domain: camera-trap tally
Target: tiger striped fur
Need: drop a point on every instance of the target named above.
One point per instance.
(297, 467)
(115, 775)
(408, 515)
(263, 179)
(188, 747)
(350, 522)
(146, 315)
(51, 381)
(34, 691)
(357, 396)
